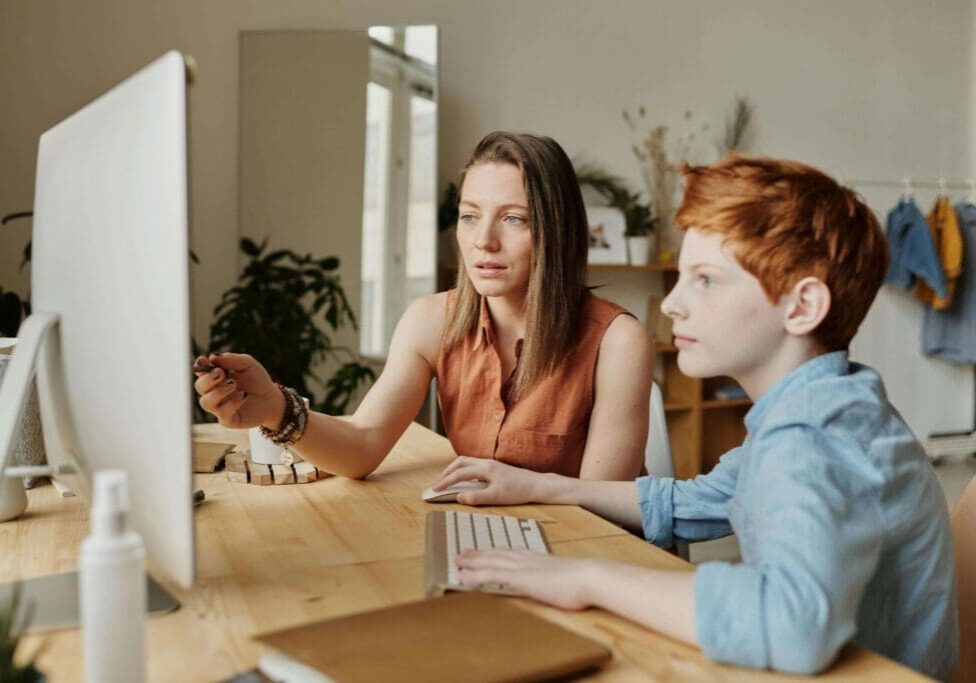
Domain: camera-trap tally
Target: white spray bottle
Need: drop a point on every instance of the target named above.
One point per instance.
(112, 587)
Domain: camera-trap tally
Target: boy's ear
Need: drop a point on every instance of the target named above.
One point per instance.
(809, 305)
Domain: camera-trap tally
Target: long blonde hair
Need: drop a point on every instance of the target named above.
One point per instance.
(557, 281)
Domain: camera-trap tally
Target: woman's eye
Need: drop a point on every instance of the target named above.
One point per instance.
(704, 280)
(512, 219)
(466, 218)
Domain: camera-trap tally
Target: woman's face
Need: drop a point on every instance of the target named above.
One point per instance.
(493, 230)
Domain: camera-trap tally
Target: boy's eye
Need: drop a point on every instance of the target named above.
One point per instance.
(703, 280)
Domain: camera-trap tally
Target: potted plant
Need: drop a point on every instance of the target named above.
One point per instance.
(661, 160)
(13, 309)
(14, 618)
(274, 312)
(639, 219)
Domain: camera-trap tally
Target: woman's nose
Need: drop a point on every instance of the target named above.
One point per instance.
(485, 238)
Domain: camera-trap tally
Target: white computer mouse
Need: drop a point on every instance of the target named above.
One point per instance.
(450, 494)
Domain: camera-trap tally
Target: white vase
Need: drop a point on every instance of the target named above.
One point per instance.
(639, 249)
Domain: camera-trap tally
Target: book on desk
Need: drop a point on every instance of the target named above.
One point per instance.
(463, 637)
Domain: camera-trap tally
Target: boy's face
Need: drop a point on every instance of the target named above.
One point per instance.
(723, 322)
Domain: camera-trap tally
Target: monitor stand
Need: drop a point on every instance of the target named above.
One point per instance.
(54, 598)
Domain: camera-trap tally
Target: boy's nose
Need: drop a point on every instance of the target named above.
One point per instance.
(670, 305)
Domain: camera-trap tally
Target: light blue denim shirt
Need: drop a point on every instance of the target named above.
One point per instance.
(842, 526)
(913, 253)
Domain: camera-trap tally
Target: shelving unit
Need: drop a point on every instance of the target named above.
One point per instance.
(700, 427)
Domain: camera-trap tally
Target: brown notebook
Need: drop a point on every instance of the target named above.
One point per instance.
(469, 637)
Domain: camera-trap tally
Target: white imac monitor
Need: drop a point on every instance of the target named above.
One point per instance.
(110, 331)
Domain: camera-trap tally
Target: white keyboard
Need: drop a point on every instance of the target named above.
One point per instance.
(450, 533)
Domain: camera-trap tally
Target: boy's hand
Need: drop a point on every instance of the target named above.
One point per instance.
(557, 581)
(507, 485)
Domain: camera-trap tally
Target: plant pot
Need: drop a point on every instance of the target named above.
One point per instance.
(639, 250)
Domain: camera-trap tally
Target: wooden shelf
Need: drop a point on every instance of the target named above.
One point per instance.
(657, 267)
(673, 406)
(726, 402)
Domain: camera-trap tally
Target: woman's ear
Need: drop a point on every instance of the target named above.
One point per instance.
(810, 303)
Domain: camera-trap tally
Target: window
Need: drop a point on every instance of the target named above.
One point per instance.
(399, 228)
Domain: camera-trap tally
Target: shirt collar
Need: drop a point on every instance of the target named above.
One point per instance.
(485, 331)
(831, 364)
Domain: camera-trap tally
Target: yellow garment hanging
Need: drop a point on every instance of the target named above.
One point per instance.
(947, 239)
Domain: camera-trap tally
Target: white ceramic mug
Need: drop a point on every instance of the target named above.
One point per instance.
(13, 499)
(266, 452)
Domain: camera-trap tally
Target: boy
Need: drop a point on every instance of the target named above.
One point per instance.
(842, 526)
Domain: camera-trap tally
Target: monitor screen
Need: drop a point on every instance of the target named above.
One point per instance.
(110, 260)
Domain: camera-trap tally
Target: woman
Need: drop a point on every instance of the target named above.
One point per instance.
(532, 369)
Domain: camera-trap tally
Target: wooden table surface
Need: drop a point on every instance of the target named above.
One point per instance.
(275, 556)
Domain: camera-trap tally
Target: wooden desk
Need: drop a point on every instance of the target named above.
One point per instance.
(276, 556)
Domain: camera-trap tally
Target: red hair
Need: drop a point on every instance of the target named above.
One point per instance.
(786, 221)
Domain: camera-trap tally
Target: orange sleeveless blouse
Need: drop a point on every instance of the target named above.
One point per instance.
(546, 428)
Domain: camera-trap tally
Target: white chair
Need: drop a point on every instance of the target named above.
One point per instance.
(657, 453)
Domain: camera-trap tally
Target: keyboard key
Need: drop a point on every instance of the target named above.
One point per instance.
(516, 539)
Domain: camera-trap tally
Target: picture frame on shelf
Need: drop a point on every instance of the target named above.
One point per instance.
(606, 228)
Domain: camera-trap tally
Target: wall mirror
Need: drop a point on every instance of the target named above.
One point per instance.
(338, 156)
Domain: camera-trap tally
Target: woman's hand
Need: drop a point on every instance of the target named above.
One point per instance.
(557, 581)
(240, 392)
(507, 485)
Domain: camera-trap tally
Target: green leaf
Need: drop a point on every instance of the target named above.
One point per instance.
(14, 216)
(249, 247)
(27, 256)
(329, 263)
(11, 313)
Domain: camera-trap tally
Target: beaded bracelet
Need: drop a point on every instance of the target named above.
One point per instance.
(293, 423)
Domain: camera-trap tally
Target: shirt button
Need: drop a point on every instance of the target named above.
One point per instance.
(287, 458)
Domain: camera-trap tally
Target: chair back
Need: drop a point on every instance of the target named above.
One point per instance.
(963, 520)
(657, 453)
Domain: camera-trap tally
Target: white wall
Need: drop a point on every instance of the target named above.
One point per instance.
(867, 89)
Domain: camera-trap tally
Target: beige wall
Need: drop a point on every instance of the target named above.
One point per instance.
(860, 88)
(875, 88)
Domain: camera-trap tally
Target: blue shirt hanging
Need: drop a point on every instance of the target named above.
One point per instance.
(912, 253)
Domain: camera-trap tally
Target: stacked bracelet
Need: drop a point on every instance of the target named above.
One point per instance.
(293, 423)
